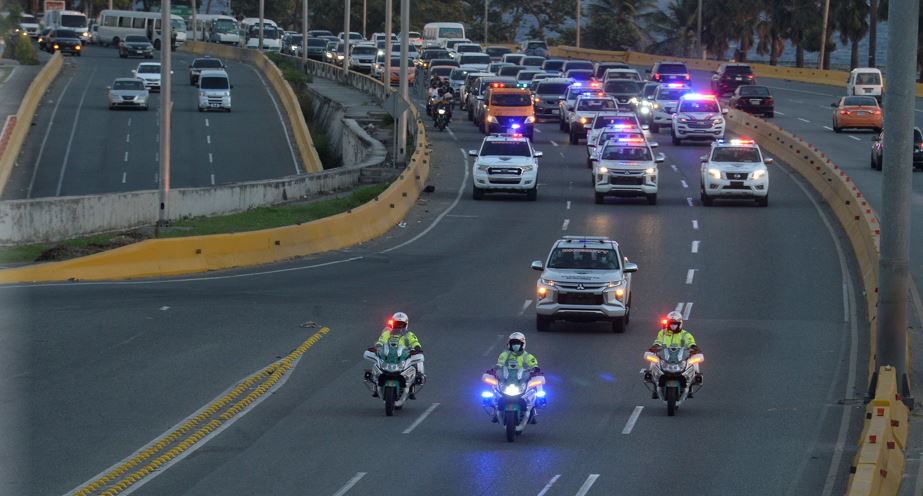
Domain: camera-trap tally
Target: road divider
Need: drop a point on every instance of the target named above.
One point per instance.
(15, 130)
(165, 450)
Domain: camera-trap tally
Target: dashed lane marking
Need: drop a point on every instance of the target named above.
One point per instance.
(673, 166)
(687, 310)
(855, 138)
(124, 177)
(695, 224)
(632, 420)
(804, 120)
(568, 204)
(451, 134)
(565, 225)
(213, 179)
(695, 246)
(690, 274)
(349, 484)
(689, 201)
(828, 128)
(492, 346)
(585, 488)
(779, 113)
(421, 418)
(126, 157)
(208, 139)
(206, 121)
(210, 158)
(128, 138)
(525, 306)
(554, 143)
(684, 183)
(548, 486)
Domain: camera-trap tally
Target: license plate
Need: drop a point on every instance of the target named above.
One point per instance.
(215, 105)
(868, 90)
(755, 101)
(738, 79)
(737, 184)
(861, 112)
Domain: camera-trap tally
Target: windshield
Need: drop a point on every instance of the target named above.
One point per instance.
(295, 39)
(207, 64)
(451, 33)
(497, 51)
(868, 78)
(224, 26)
(475, 58)
(510, 99)
(506, 149)
(65, 33)
(578, 64)
(584, 258)
(128, 85)
(513, 58)
(553, 65)
(148, 69)
(627, 153)
(213, 83)
(26, 19)
(526, 75)
(74, 21)
(432, 54)
(365, 50)
(269, 32)
(754, 91)
(672, 69)
(860, 101)
(622, 86)
(735, 154)
(536, 44)
(596, 104)
(671, 93)
(136, 39)
(699, 106)
(458, 74)
(552, 88)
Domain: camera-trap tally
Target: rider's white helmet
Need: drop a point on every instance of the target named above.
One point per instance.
(517, 337)
(399, 321)
(674, 321)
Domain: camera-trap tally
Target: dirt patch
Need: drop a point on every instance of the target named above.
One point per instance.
(67, 251)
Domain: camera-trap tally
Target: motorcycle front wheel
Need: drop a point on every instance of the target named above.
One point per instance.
(510, 420)
(390, 394)
(672, 394)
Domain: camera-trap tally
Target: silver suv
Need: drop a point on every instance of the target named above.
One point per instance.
(584, 279)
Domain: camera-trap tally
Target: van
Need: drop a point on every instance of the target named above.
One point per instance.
(508, 109)
(214, 90)
(865, 81)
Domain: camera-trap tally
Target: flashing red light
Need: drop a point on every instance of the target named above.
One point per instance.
(743, 141)
(594, 85)
(688, 77)
(749, 76)
(516, 135)
(391, 323)
(698, 96)
(663, 322)
(656, 77)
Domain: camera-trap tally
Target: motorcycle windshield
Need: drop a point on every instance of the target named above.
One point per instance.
(674, 355)
(393, 351)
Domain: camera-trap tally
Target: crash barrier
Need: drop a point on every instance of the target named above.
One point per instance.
(878, 466)
(303, 141)
(175, 256)
(196, 429)
(15, 135)
(800, 74)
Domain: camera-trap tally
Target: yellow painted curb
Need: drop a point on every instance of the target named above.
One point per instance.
(181, 439)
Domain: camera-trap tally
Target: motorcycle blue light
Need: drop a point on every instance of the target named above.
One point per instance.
(540, 394)
(487, 394)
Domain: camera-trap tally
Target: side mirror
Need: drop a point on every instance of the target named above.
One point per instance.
(472, 153)
(767, 161)
(538, 154)
(630, 267)
(724, 111)
(654, 144)
(660, 158)
(538, 265)
(833, 105)
(703, 158)
(645, 127)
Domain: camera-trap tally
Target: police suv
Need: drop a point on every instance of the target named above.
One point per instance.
(506, 163)
(665, 100)
(626, 167)
(697, 117)
(735, 169)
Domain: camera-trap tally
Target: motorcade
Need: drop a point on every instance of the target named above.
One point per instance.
(586, 108)
(597, 141)
(673, 375)
(626, 91)
(394, 376)
(665, 100)
(508, 109)
(514, 395)
(857, 112)
(566, 105)
(735, 169)
(476, 111)
(618, 73)
(619, 120)
(506, 163)
(547, 96)
(753, 99)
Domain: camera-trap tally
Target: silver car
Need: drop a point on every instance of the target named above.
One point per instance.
(584, 279)
(128, 93)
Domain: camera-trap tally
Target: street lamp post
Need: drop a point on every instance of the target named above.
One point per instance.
(578, 23)
(405, 90)
(485, 20)
(365, 17)
(304, 32)
(346, 35)
(699, 31)
(386, 77)
(823, 36)
(166, 109)
(194, 37)
(260, 45)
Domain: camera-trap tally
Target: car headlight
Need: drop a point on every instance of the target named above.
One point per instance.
(633, 100)
(547, 282)
(717, 121)
(329, 56)
(530, 119)
(527, 168)
(650, 171)
(603, 170)
(491, 119)
(202, 94)
(656, 105)
(759, 173)
(714, 173)
(645, 110)
(681, 119)
(340, 57)
(584, 120)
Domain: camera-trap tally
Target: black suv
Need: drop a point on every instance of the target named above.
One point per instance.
(729, 76)
(879, 146)
(670, 72)
(64, 41)
(200, 64)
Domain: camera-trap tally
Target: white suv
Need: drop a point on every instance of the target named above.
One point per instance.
(666, 98)
(585, 278)
(586, 108)
(505, 164)
(735, 169)
(626, 167)
(698, 117)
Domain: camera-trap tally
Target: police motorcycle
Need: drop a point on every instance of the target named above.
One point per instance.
(513, 396)
(672, 375)
(442, 116)
(394, 373)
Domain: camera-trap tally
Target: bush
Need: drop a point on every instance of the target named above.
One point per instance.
(19, 47)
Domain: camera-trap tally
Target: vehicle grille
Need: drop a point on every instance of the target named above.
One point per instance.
(497, 180)
(212, 100)
(627, 180)
(128, 98)
(504, 170)
(737, 176)
(699, 124)
(580, 299)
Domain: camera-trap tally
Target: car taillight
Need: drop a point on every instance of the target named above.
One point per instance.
(688, 77)
(876, 112)
(749, 76)
(844, 112)
(656, 77)
(769, 101)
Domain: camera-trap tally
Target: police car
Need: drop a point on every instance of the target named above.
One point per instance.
(566, 105)
(665, 100)
(506, 163)
(698, 117)
(605, 120)
(626, 167)
(735, 169)
(586, 108)
(611, 133)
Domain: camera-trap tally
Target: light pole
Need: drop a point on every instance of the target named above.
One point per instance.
(405, 91)
(386, 77)
(823, 36)
(699, 31)
(166, 109)
(346, 36)
(365, 18)
(194, 37)
(304, 33)
(260, 45)
(578, 23)
(897, 167)
(485, 21)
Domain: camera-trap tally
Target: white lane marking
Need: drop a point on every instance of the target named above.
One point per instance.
(679, 307)
(537, 130)
(553, 479)
(206, 121)
(70, 141)
(349, 484)
(684, 183)
(673, 166)
(213, 179)
(632, 420)
(164, 308)
(208, 139)
(695, 246)
(568, 204)
(828, 128)
(566, 223)
(687, 310)
(689, 201)
(41, 149)
(585, 488)
(272, 98)
(690, 274)
(128, 138)
(804, 120)
(211, 159)
(525, 306)
(492, 346)
(452, 134)
(461, 190)
(421, 418)
(695, 224)
(124, 177)
(562, 155)
(855, 138)
(129, 122)
(126, 157)
(553, 143)
(779, 113)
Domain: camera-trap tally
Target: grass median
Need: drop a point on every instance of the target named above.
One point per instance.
(251, 220)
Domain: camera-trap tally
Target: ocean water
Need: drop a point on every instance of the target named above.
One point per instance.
(839, 58)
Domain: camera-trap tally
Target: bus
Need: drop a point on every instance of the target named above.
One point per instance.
(67, 19)
(115, 25)
(437, 33)
(272, 35)
(217, 29)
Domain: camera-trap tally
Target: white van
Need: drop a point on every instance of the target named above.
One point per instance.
(272, 35)
(214, 90)
(865, 81)
(438, 33)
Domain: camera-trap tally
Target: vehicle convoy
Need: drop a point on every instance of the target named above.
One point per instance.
(857, 112)
(136, 46)
(200, 64)
(753, 99)
(665, 100)
(128, 93)
(214, 90)
(586, 108)
(585, 278)
(566, 104)
(626, 167)
(673, 364)
(627, 92)
(613, 119)
(614, 132)
(149, 72)
(508, 109)
(697, 117)
(735, 169)
(878, 149)
(516, 389)
(505, 164)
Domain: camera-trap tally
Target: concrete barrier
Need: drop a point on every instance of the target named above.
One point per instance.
(16, 136)
(303, 141)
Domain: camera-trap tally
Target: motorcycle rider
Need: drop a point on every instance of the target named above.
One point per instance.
(443, 103)
(398, 326)
(517, 357)
(674, 334)
(432, 95)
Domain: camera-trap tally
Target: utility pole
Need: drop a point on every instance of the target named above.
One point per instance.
(365, 18)
(894, 271)
(405, 91)
(485, 21)
(386, 77)
(166, 109)
(699, 31)
(260, 46)
(304, 33)
(346, 35)
(194, 2)
(823, 36)
(578, 23)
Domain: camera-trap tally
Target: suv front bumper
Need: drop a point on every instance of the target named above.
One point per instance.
(625, 183)
(685, 130)
(549, 307)
(730, 188)
(504, 182)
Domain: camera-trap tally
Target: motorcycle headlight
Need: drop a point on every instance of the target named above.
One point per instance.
(758, 174)
(340, 57)
(645, 110)
(603, 170)
(512, 390)
(714, 173)
(441, 111)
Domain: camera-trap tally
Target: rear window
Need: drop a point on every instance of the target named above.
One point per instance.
(552, 88)
(553, 65)
(622, 87)
(511, 70)
(628, 153)
(597, 104)
(474, 58)
(533, 61)
(671, 93)
(510, 100)
(207, 64)
(699, 106)
(497, 51)
(735, 154)
(136, 39)
(613, 120)
(441, 71)
(468, 49)
(128, 85)
(506, 149)
(672, 69)
(754, 91)
(148, 69)
(584, 258)
(578, 64)
(435, 54)
(316, 42)
(868, 78)
(536, 44)
(580, 74)
(865, 101)
(365, 50)
(525, 75)
(738, 69)
(458, 74)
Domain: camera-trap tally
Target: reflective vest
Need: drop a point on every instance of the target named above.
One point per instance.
(668, 338)
(520, 360)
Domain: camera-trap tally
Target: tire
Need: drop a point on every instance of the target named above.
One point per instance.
(390, 394)
(115, 43)
(706, 200)
(599, 198)
(837, 129)
(618, 325)
(763, 202)
(652, 199)
(561, 125)
(509, 420)
(573, 138)
(628, 311)
(676, 140)
(872, 163)
(477, 193)
(654, 128)
(532, 194)
(542, 323)
(878, 164)
(671, 396)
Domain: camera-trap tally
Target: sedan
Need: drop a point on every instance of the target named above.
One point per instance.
(128, 93)
(879, 145)
(64, 41)
(149, 72)
(753, 99)
(136, 46)
(857, 112)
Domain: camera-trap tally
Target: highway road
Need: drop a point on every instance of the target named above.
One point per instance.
(771, 295)
(78, 146)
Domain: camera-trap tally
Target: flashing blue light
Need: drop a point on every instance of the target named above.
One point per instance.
(515, 126)
(487, 395)
(577, 85)
(540, 394)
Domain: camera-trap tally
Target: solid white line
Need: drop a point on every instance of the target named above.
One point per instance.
(779, 113)
(695, 224)
(208, 139)
(689, 275)
(687, 311)
(41, 149)
(421, 418)
(213, 179)
(206, 121)
(553, 143)
(126, 157)
(585, 488)
(525, 306)
(452, 134)
(128, 138)
(689, 201)
(566, 223)
(70, 141)
(828, 128)
(695, 246)
(349, 485)
(855, 138)
(272, 98)
(804, 120)
(568, 204)
(632, 420)
(211, 159)
(684, 183)
(553, 479)
(124, 177)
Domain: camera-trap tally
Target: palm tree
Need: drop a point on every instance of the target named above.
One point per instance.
(675, 26)
(628, 15)
(850, 18)
(873, 31)
(772, 28)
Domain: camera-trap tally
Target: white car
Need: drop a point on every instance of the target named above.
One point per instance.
(697, 117)
(473, 61)
(149, 72)
(625, 121)
(566, 104)
(505, 164)
(586, 108)
(626, 167)
(735, 169)
(612, 133)
(665, 100)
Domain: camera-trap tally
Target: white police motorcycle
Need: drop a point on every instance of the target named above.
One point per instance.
(513, 396)
(394, 373)
(672, 375)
